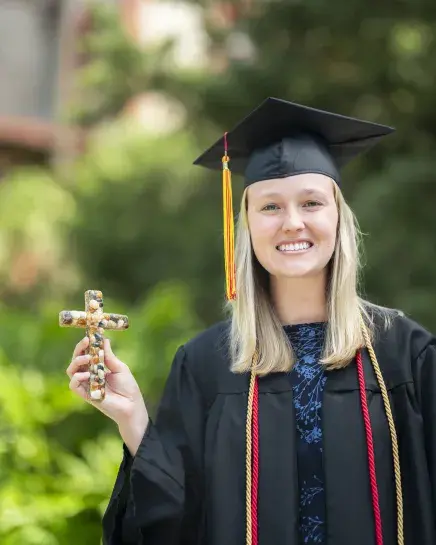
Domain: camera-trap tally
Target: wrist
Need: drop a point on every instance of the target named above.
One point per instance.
(132, 430)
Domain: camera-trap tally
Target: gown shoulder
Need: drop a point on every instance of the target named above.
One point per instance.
(401, 345)
(207, 358)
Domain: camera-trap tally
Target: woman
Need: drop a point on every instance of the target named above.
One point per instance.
(309, 417)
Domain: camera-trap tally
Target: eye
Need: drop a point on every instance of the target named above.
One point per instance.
(270, 207)
(312, 204)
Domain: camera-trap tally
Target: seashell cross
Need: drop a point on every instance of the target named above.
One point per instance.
(95, 321)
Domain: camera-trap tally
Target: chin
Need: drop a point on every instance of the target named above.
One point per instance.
(296, 272)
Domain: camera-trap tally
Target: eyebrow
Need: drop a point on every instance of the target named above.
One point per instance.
(270, 194)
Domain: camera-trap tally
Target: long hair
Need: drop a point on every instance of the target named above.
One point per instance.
(255, 326)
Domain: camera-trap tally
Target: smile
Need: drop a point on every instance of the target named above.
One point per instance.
(294, 247)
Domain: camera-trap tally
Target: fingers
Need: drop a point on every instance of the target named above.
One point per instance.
(78, 384)
(79, 372)
(81, 347)
(80, 363)
(111, 361)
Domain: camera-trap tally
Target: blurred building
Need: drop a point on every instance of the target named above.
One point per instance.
(39, 58)
(36, 60)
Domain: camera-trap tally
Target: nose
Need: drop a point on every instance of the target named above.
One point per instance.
(293, 221)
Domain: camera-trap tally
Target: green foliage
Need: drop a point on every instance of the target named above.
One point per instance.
(140, 203)
(116, 69)
(35, 211)
(59, 456)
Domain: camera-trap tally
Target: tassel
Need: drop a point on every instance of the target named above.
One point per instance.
(229, 235)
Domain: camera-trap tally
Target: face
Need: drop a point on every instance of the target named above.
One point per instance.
(293, 223)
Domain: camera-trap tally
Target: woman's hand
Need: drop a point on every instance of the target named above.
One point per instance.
(123, 400)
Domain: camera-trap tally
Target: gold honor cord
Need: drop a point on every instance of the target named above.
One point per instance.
(393, 432)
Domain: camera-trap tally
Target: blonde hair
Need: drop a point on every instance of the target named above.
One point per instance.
(255, 327)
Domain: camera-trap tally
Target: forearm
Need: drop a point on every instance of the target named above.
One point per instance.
(132, 431)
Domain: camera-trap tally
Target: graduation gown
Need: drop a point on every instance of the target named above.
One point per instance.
(186, 484)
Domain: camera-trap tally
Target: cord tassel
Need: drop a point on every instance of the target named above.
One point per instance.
(229, 227)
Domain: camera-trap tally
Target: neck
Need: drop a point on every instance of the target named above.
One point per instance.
(299, 300)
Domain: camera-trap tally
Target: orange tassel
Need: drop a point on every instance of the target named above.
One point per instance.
(229, 235)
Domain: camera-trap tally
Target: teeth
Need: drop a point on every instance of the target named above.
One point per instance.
(294, 247)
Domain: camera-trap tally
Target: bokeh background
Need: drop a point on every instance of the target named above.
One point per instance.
(103, 107)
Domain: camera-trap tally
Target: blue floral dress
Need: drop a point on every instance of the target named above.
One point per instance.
(308, 379)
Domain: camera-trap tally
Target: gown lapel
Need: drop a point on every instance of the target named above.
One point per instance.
(348, 496)
(278, 476)
(349, 513)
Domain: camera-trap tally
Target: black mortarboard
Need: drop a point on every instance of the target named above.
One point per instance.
(280, 139)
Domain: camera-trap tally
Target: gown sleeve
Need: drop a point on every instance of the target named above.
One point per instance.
(426, 368)
(157, 496)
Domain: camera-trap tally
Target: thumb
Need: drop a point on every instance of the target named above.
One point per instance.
(111, 361)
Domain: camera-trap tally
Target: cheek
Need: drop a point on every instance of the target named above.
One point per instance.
(326, 230)
(263, 231)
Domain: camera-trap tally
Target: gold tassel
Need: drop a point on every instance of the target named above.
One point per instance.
(229, 228)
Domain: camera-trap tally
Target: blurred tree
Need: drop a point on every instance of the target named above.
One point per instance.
(378, 66)
(114, 69)
(144, 214)
(35, 214)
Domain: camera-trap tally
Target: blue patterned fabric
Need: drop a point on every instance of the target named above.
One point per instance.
(308, 379)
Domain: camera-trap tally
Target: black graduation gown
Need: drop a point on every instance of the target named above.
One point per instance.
(186, 484)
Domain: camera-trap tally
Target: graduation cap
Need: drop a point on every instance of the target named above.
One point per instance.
(280, 139)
